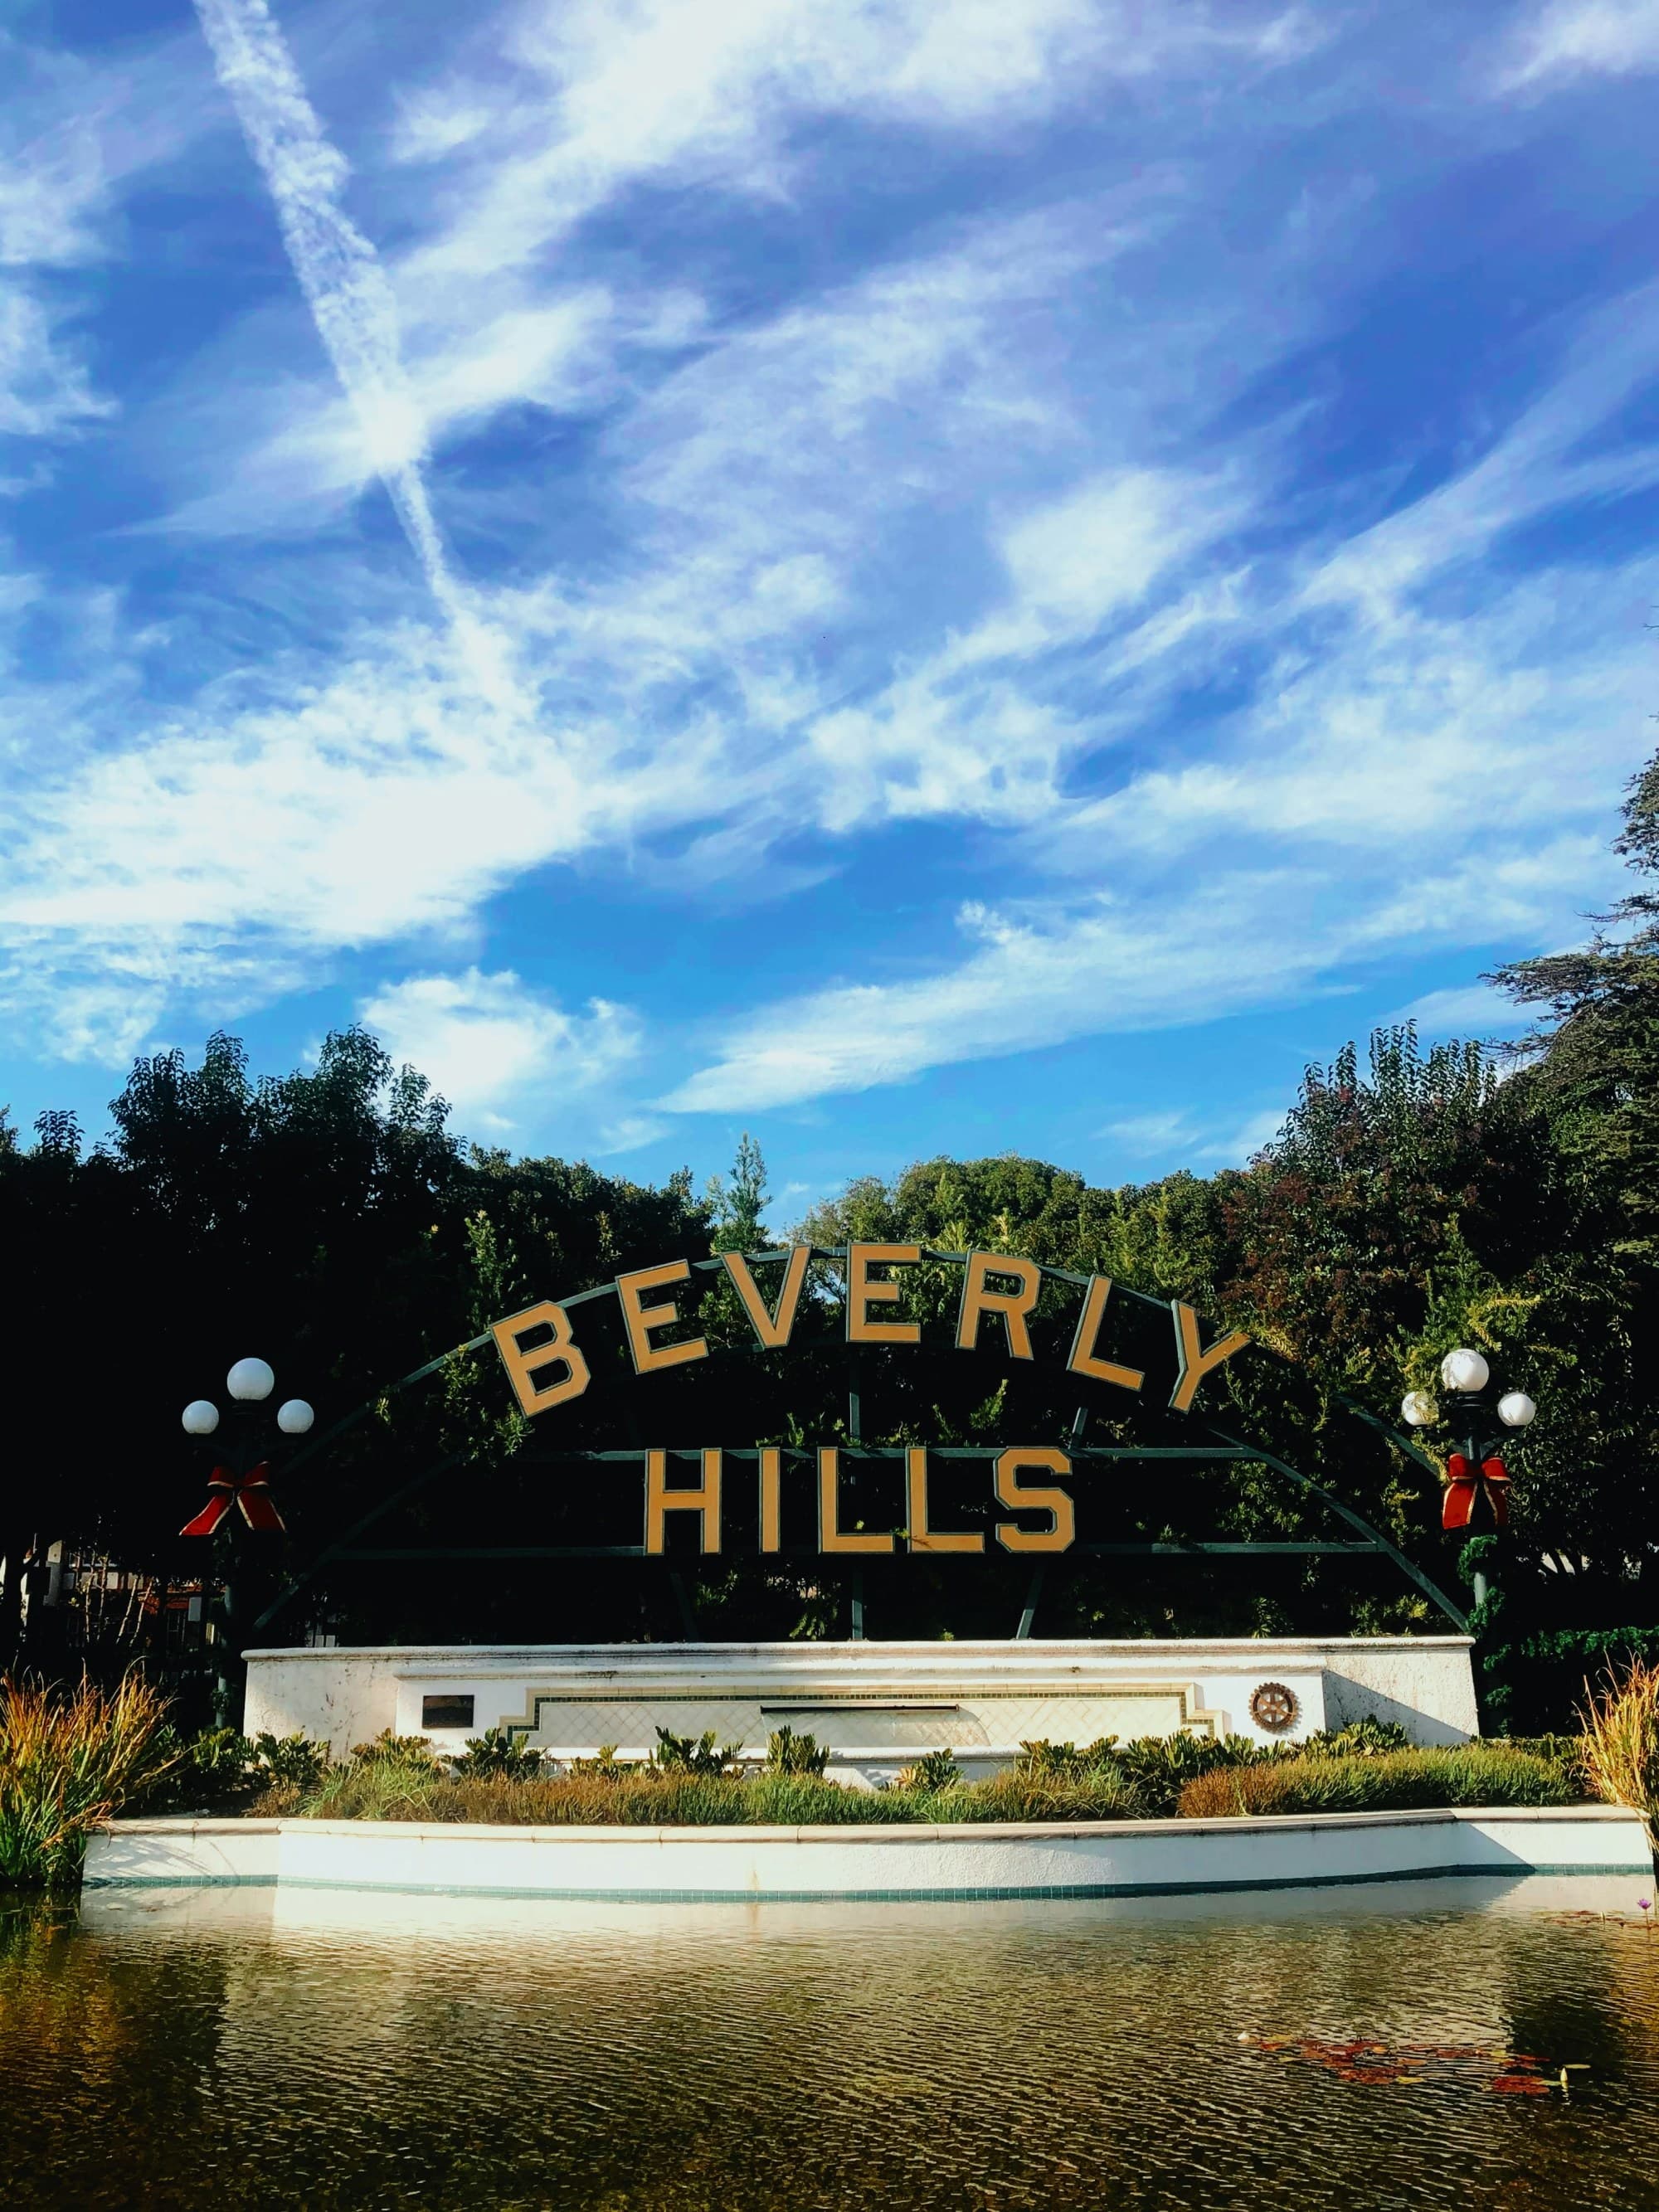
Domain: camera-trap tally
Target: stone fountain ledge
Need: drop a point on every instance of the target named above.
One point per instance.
(686, 1865)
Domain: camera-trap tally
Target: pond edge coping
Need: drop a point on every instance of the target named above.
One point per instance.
(958, 1861)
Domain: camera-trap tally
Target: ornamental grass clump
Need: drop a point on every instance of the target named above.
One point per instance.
(1387, 1782)
(1106, 1794)
(70, 1759)
(1620, 1743)
(627, 1797)
(387, 1779)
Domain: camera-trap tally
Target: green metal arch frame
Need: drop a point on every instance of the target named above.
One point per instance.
(1223, 1446)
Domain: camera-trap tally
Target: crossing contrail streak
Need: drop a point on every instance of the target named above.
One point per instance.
(346, 287)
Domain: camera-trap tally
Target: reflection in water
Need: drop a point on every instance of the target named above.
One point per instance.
(238, 2048)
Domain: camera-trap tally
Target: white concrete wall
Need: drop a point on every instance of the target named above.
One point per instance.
(877, 1706)
(1079, 1858)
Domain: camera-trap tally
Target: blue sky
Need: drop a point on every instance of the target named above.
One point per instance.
(909, 575)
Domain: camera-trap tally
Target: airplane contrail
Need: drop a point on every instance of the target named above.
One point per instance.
(346, 287)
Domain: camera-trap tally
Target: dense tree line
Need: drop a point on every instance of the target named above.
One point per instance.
(332, 1221)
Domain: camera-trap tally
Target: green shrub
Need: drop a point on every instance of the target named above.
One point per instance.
(1159, 1768)
(296, 1761)
(1047, 1761)
(222, 1771)
(934, 1770)
(789, 1753)
(685, 1754)
(1394, 1781)
(604, 1764)
(212, 1768)
(1363, 1739)
(1148, 1772)
(499, 1754)
(412, 1753)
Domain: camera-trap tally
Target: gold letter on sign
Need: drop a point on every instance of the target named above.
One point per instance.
(1196, 1364)
(1085, 1359)
(922, 1537)
(862, 1294)
(640, 1321)
(1056, 1504)
(772, 1328)
(831, 1536)
(522, 1366)
(1014, 1306)
(661, 1501)
(771, 1485)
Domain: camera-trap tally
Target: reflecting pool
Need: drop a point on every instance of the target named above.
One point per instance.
(1384, 2047)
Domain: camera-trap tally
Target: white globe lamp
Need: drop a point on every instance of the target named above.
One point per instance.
(200, 1417)
(1516, 1409)
(1464, 1370)
(250, 1380)
(294, 1417)
(1417, 1410)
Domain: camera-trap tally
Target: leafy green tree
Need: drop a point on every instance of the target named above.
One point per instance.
(1337, 1226)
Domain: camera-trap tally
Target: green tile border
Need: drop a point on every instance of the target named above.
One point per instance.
(988, 1893)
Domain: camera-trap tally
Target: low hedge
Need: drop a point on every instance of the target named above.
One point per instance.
(390, 1788)
(645, 1798)
(1395, 1782)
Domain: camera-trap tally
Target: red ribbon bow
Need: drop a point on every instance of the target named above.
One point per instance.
(1464, 1481)
(252, 1493)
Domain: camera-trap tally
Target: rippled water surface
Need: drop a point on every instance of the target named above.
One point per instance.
(1364, 2048)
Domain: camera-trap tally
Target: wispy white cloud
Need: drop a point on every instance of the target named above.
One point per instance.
(1028, 982)
(389, 802)
(502, 1053)
(1568, 39)
(51, 190)
(1240, 1144)
(1336, 827)
(660, 89)
(45, 387)
(966, 729)
(1472, 1010)
(1147, 1136)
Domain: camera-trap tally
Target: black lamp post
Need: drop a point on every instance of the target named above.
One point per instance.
(1467, 1385)
(238, 1499)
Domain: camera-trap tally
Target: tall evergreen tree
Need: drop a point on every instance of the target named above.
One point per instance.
(1596, 1055)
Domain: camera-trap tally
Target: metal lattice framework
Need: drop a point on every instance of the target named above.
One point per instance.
(1209, 1443)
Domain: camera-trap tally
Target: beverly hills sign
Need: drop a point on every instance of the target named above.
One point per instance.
(545, 1363)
